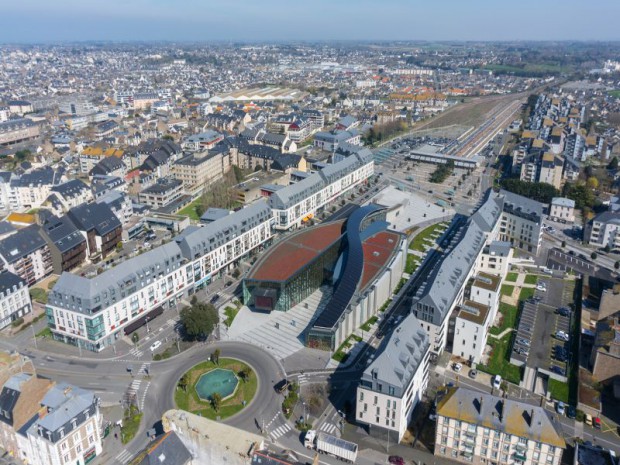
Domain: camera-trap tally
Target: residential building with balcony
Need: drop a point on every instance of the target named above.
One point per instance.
(604, 230)
(66, 243)
(471, 328)
(394, 382)
(302, 200)
(15, 131)
(445, 285)
(162, 193)
(479, 428)
(95, 312)
(521, 222)
(99, 225)
(26, 254)
(14, 298)
(200, 169)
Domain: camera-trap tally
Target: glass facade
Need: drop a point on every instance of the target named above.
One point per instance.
(297, 287)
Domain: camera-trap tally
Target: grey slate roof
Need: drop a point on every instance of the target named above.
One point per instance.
(62, 232)
(107, 165)
(398, 358)
(198, 241)
(521, 206)
(169, 450)
(448, 276)
(70, 188)
(21, 244)
(295, 193)
(91, 295)
(97, 216)
(10, 282)
(563, 202)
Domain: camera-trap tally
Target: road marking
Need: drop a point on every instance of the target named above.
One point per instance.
(144, 396)
(328, 428)
(280, 431)
(123, 457)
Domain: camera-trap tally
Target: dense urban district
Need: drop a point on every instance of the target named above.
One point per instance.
(273, 254)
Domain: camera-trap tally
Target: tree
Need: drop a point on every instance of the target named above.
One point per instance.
(236, 273)
(119, 246)
(592, 183)
(199, 319)
(593, 255)
(22, 155)
(244, 374)
(613, 164)
(539, 191)
(184, 382)
(216, 401)
(199, 209)
(168, 137)
(215, 356)
(135, 337)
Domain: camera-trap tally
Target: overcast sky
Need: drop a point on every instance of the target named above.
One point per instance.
(208, 20)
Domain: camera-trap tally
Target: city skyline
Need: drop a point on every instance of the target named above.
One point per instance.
(274, 20)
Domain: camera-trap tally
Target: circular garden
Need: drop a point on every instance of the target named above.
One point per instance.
(217, 388)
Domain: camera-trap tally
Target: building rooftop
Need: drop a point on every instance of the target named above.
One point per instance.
(499, 414)
(290, 255)
(398, 357)
(487, 281)
(473, 311)
(21, 244)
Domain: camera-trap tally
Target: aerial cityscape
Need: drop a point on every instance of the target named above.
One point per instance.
(255, 234)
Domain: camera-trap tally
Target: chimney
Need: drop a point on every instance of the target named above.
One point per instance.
(480, 405)
(531, 418)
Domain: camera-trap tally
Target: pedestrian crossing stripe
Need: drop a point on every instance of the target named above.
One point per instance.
(280, 431)
(328, 428)
(123, 457)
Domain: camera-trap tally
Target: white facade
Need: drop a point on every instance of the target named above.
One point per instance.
(562, 210)
(292, 215)
(495, 260)
(392, 385)
(157, 285)
(471, 328)
(14, 299)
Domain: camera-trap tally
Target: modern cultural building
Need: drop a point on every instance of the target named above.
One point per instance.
(359, 257)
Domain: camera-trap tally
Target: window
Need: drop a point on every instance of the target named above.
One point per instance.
(444, 440)
(361, 395)
(443, 450)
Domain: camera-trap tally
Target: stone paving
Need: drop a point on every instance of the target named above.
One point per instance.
(280, 333)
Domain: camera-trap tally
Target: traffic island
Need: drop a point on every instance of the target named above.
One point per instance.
(216, 391)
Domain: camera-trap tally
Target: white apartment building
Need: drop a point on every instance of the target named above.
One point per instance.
(434, 302)
(604, 230)
(299, 201)
(479, 428)
(521, 222)
(486, 290)
(394, 382)
(495, 259)
(562, 209)
(95, 312)
(14, 298)
(471, 328)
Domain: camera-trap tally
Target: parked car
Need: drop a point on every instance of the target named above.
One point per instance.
(560, 408)
(562, 336)
(396, 460)
(588, 419)
(473, 374)
(281, 386)
(571, 412)
(541, 287)
(215, 298)
(497, 381)
(563, 311)
(523, 342)
(457, 367)
(597, 422)
(155, 345)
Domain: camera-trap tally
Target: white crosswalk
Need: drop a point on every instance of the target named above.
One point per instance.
(135, 385)
(123, 457)
(143, 398)
(136, 352)
(329, 428)
(280, 431)
(301, 379)
(144, 368)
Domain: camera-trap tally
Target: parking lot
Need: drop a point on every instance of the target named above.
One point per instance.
(535, 343)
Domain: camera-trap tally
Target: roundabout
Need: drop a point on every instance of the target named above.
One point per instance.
(216, 390)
